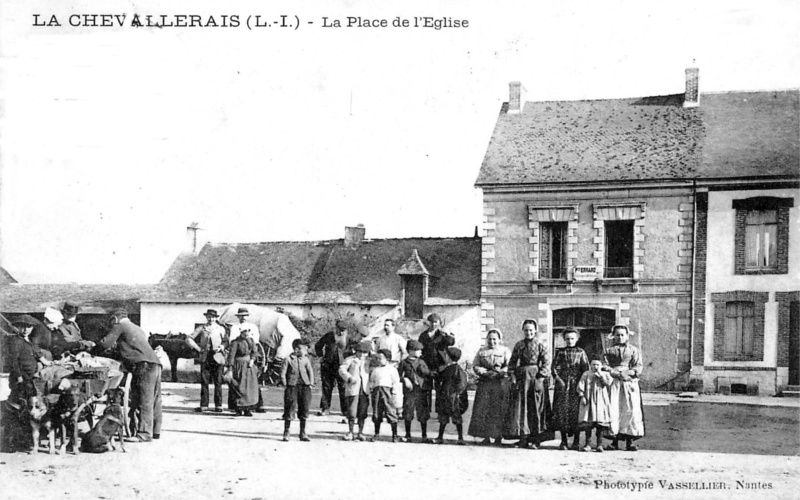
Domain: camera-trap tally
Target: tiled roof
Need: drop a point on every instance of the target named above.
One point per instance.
(320, 272)
(94, 299)
(736, 134)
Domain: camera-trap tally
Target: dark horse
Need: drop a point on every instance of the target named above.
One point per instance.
(175, 346)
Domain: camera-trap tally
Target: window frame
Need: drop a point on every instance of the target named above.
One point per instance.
(547, 232)
(745, 209)
(627, 270)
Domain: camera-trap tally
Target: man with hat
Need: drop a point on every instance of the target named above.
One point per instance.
(67, 338)
(210, 338)
(252, 331)
(140, 359)
(332, 348)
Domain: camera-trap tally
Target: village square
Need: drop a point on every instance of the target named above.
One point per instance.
(532, 251)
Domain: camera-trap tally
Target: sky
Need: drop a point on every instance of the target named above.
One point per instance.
(114, 139)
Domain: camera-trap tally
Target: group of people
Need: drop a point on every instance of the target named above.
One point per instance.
(39, 346)
(602, 394)
(396, 379)
(387, 375)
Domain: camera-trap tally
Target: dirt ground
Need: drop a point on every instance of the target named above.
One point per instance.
(731, 450)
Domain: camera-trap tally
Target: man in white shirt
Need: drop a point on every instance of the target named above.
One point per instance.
(208, 341)
(391, 341)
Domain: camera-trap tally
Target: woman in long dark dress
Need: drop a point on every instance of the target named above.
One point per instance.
(491, 397)
(568, 365)
(529, 408)
(241, 360)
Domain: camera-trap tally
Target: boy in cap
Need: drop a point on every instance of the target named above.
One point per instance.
(353, 372)
(415, 376)
(297, 376)
(453, 394)
(385, 387)
(211, 338)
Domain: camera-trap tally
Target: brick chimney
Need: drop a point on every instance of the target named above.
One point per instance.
(353, 236)
(516, 98)
(191, 238)
(692, 97)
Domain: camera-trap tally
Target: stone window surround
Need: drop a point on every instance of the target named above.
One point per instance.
(637, 211)
(742, 206)
(552, 213)
(759, 300)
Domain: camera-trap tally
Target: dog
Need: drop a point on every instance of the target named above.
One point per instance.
(101, 436)
(67, 412)
(40, 415)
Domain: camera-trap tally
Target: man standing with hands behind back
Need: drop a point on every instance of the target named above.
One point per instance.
(140, 359)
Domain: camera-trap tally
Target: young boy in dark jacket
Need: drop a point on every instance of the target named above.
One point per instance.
(453, 393)
(416, 378)
(297, 376)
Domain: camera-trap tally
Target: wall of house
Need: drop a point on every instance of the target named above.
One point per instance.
(657, 306)
(720, 278)
(663, 223)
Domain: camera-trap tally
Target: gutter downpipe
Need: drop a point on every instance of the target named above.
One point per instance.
(693, 291)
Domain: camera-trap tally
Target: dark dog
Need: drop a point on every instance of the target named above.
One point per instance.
(111, 424)
(67, 412)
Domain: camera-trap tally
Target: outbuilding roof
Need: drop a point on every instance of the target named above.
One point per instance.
(20, 298)
(314, 272)
(734, 134)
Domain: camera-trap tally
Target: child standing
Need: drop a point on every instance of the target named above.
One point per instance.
(384, 385)
(415, 375)
(595, 411)
(297, 376)
(353, 372)
(454, 396)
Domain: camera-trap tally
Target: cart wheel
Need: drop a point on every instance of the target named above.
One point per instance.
(126, 404)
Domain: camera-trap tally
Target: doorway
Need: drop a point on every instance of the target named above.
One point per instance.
(593, 324)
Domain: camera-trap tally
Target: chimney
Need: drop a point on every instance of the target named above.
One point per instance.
(353, 236)
(191, 237)
(516, 98)
(692, 97)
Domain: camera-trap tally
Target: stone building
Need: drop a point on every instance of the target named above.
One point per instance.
(590, 210)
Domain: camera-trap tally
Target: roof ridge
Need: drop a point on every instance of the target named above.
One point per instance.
(328, 242)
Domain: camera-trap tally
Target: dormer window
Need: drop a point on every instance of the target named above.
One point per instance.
(415, 280)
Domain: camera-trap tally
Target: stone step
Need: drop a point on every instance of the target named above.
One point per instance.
(790, 394)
